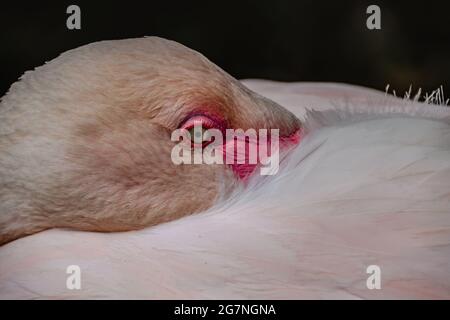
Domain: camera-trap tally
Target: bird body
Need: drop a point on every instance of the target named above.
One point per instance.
(368, 185)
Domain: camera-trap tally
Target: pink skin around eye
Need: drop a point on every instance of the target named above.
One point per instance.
(198, 120)
(245, 170)
(207, 119)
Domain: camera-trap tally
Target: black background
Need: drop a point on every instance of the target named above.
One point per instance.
(279, 40)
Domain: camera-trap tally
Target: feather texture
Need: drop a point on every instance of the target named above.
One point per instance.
(363, 188)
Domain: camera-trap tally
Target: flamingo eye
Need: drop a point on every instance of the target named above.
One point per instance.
(198, 126)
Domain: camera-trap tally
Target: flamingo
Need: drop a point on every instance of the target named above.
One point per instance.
(365, 182)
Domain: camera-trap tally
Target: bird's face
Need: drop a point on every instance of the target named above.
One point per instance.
(124, 100)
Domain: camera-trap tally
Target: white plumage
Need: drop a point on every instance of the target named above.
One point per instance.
(369, 185)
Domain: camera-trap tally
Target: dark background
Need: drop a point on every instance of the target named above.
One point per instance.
(279, 40)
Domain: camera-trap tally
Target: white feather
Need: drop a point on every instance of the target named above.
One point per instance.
(362, 188)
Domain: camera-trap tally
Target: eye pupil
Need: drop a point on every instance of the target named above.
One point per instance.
(196, 135)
